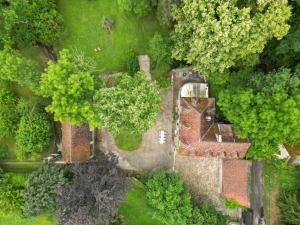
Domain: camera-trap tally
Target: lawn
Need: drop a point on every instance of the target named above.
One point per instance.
(84, 32)
(128, 141)
(135, 209)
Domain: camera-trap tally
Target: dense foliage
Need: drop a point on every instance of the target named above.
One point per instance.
(169, 198)
(159, 51)
(264, 108)
(30, 22)
(132, 104)
(41, 189)
(164, 12)
(8, 113)
(139, 8)
(216, 35)
(97, 189)
(33, 134)
(10, 194)
(206, 214)
(290, 207)
(71, 90)
(15, 67)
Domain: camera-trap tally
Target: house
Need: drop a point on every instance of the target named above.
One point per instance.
(292, 152)
(198, 134)
(77, 143)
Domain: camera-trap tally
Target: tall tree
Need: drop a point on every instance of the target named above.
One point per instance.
(14, 67)
(132, 104)
(71, 90)
(93, 196)
(30, 22)
(215, 35)
(265, 109)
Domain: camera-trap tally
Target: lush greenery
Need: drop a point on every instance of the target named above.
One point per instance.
(71, 90)
(83, 32)
(264, 108)
(278, 174)
(132, 104)
(232, 204)
(134, 208)
(159, 51)
(127, 140)
(8, 113)
(30, 22)
(206, 214)
(169, 199)
(33, 135)
(42, 187)
(139, 8)
(216, 35)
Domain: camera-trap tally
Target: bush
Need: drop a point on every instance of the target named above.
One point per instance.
(139, 8)
(10, 194)
(290, 207)
(232, 204)
(33, 134)
(3, 153)
(169, 198)
(8, 115)
(207, 215)
(132, 63)
(41, 190)
(163, 82)
(159, 51)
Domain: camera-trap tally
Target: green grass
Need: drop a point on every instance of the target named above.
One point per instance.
(84, 32)
(135, 209)
(128, 141)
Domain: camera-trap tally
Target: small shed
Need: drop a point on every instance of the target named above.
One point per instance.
(77, 143)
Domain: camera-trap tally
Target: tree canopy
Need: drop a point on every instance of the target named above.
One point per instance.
(265, 108)
(132, 104)
(71, 90)
(97, 189)
(30, 22)
(169, 198)
(42, 187)
(215, 35)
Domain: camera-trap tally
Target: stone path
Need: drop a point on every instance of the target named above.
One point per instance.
(151, 155)
(144, 62)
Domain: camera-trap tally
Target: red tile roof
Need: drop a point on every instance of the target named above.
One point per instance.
(235, 181)
(293, 150)
(198, 131)
(75, 142)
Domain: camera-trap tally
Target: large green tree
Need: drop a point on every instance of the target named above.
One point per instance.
(30, 22)
(265, 109)
(15, 67)
(132, 104)
(71, 90)
(216, 35)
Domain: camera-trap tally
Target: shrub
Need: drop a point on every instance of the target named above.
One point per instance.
(159, 51)
(207, 215)
(33, 134)
(3, 153)
(132, 63)
(139, 8)
(169, 198)
(232, 204)
(8, 115)
(290, 207)
(163, 82)
(41, 189)
(10, 195)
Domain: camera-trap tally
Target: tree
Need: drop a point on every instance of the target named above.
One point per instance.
(132, 104)
(8, 115)
(71, 90)
(139, 8)
(14, 67)
(206, 214)
(265, 109)
(169, 199)
(31, 22)
(33, 134)
(42, 187)
(97, 188)
(164, 12)
(159, 51)
(215, 35)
